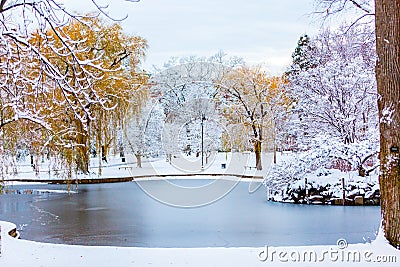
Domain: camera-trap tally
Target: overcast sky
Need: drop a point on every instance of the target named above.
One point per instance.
(260, 31)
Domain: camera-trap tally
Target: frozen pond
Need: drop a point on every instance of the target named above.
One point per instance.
(122, 214)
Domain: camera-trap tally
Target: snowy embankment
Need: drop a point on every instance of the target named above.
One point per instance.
(328, 188)
(293, 180)
(18, 253)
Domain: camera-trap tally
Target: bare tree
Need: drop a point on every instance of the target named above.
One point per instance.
(338, 93)
(362, 11)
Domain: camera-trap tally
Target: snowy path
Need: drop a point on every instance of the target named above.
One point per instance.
(235, 164)
(19, 253)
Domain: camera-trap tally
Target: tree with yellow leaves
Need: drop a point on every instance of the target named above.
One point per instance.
(255, 101)
(66, 116)
(115, 90)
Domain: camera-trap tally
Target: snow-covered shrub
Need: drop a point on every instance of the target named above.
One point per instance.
(326, 150)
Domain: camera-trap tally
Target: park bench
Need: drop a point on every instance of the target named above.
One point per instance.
(249, 167)
(125, 167)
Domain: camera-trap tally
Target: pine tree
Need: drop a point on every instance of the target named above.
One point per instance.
(303, 57)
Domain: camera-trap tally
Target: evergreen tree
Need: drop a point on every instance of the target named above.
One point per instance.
(303, 56)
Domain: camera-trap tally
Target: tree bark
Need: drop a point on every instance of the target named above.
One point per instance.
(138, 160)
(32, 162)
(122, 154)
(388, 83)
(361, 171)
(104, 153)
(257, 151)
(82, 150)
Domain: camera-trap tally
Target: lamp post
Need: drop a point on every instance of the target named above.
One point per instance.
(203, 118)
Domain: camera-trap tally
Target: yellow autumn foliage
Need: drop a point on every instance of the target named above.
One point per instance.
(90, 99)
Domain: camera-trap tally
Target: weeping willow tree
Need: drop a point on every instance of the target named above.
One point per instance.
(120, 85)
(66, 119)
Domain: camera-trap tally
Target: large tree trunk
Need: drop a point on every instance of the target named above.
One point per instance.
(257, 151)
(388, 82)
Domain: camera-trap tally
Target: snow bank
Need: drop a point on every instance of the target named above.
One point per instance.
(326, 188)
(313, 177)
(19, 253)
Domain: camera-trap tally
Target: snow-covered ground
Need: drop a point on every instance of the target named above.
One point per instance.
(18, 253)
(235, 164)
